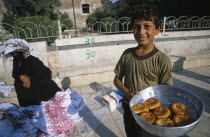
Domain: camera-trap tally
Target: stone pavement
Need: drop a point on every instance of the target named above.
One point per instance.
(100, 122)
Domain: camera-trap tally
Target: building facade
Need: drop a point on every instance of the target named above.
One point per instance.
(82, 9)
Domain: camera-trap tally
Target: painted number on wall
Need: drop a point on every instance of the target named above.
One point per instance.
(88, 41)
(90, 54)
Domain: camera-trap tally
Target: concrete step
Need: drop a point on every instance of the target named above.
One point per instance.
(101, 73)
(190, 61)
(86, 69)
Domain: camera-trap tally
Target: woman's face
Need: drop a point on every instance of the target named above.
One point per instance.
(14, 54)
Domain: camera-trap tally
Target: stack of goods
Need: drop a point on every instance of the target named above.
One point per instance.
(117, 97)
(113, 100)
(152, 112)
(109, 102)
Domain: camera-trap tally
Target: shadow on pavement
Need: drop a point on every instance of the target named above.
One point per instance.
(66, 82)
(194, 75)
(179, 69)
(178, 65)
(91, 120)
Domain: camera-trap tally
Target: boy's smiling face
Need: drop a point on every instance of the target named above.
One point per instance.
(144, 32)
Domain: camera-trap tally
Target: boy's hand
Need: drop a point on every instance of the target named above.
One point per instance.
(26, 80)
(131, 93)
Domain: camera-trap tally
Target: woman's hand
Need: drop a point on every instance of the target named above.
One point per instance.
(27, 84)
(26, 80)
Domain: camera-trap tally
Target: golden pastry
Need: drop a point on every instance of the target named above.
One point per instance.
(178, 108)
(162, 112)
(148, 117)
(139, 107)
(152, 103)
(164, 122)
(182, 120)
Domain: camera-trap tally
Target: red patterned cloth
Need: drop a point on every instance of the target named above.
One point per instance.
(55, 117)
(60, 114)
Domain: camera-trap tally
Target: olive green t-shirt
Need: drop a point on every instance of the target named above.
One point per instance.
(140, 72)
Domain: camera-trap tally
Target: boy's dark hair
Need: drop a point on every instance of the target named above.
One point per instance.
(147, 12)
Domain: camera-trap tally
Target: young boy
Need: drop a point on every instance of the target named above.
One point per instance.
(142, 66)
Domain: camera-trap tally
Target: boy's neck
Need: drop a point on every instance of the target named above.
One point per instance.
(144, 50)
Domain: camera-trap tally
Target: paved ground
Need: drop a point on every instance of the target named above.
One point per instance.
(110, 123)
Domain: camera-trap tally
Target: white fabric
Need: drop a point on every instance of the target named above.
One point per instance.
(55, 117)
(61, 113)
(5, 89)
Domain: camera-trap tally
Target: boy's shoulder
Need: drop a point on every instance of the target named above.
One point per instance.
(129, 50)
(162, 56)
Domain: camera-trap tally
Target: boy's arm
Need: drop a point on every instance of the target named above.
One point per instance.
(166, 76)
(120, 73)
(120, 86)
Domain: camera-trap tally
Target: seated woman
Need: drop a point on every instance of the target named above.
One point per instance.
(33, 82)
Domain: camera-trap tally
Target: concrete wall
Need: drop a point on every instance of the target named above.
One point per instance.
(90, 59)
(107, 49)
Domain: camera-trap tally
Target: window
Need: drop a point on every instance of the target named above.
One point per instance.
(85, 8)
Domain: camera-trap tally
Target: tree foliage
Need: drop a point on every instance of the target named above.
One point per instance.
(40, 7)
(108, 21)
(36, 26)
(99, 14)
(2, 7)
(35, 12)
(167, 7)
(65, 21)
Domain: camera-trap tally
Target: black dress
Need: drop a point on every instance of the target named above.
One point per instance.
(42, 86)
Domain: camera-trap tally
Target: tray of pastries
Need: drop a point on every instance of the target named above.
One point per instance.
(166, 110)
